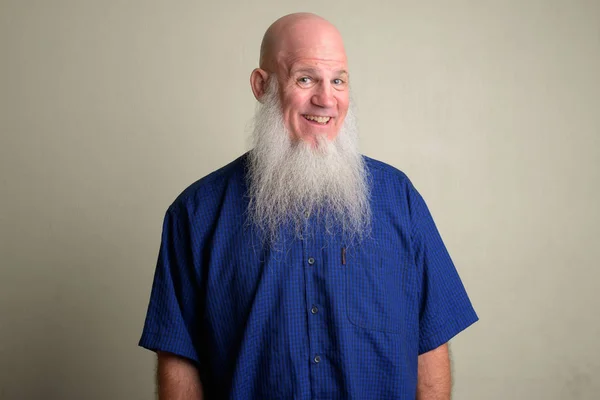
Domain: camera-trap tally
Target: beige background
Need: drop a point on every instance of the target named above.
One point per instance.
(108, 109)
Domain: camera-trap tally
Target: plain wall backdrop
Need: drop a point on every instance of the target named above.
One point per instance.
(109, 109)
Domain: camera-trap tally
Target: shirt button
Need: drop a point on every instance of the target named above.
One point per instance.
(311, 261)
(314, 310)
(306, 214)
(317, 359)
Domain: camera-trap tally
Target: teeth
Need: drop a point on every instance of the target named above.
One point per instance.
(320, 120)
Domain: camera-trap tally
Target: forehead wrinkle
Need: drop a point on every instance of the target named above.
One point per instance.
(313, 52)
(315, 71)
(316, 65)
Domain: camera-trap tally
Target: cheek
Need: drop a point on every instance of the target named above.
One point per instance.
(295, 102)
(287, 106)
(290, 109)
(343, 103)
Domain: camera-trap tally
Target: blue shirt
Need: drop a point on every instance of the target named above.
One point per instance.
(315, 318)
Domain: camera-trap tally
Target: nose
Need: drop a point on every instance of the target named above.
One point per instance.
(323, 96)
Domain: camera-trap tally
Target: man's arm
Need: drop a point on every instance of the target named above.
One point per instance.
(434, 380)
(177, 378)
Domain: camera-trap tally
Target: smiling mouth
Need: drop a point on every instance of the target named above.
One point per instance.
(319, 120)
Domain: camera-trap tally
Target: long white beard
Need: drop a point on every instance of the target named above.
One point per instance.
(290, 179)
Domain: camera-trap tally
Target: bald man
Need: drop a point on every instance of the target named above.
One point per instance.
(303, 270)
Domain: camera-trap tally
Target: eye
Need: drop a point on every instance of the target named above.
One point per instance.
(305, 80)
(338, 81)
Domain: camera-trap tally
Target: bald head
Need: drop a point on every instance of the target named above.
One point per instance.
(296, 33)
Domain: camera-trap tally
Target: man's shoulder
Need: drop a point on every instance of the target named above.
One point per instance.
(380, 169)
(211, 186)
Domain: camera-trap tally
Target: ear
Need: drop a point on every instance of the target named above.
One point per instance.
(258, 82)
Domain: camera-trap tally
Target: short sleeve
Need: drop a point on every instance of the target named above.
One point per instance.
(445, 308)
(171, 321)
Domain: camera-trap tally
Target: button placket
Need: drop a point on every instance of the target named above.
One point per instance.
(313, 259)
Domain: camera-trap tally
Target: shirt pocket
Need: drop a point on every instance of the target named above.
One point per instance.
(374, 294)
